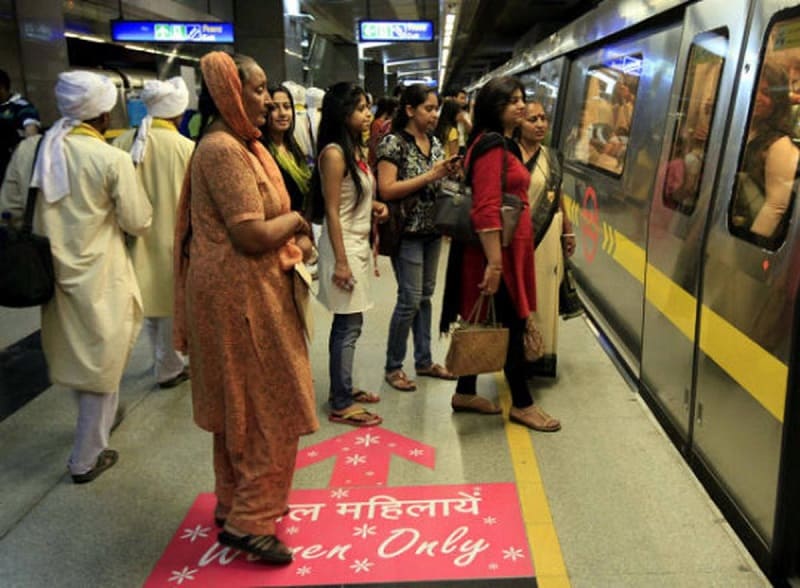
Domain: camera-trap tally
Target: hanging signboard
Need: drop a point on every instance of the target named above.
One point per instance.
(148, 31)
(395, 31)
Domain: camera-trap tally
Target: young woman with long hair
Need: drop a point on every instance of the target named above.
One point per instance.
(278, 137)
(447, 128)
(410, 165)
(347, 186)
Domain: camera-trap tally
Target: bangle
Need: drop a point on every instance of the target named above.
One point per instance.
(495, 267)
(567, 235)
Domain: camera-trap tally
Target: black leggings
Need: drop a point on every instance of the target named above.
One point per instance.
(514, 368)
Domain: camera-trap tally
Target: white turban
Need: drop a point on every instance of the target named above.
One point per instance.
(166, 99)
(80, 96)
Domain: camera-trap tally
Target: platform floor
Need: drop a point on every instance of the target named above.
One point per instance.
(607, 501)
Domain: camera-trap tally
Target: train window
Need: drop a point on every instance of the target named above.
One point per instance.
(766, 183)
(608, 106)
(695, 113)
(544, 90)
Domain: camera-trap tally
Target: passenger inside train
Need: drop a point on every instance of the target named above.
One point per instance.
(765, 185)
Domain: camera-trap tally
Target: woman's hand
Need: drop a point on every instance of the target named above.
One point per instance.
(302, 226)
(491, 279)
(568, 243)
(306, 246)
(439, 170)
(343, 277)
(380, 212)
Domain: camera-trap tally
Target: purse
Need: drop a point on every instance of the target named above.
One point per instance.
(569, 304)
(27, 277)
(301, 285)
(477, 347)
(452, 208)
(390, 233)
(532, 340)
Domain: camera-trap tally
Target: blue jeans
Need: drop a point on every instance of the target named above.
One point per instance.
(415, 269)
(345, 331)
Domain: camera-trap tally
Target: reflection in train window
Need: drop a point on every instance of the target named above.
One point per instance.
(541, 88)
(766, 182)
(609, 101)
(695, 113)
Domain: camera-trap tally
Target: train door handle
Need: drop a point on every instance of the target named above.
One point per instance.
(699, 413)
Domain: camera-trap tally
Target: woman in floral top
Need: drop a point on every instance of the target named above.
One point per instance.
(410, 165)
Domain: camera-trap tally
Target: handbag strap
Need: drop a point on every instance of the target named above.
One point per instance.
(475, 313)
(27, 219)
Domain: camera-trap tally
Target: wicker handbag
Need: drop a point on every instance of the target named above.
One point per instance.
(477, 347)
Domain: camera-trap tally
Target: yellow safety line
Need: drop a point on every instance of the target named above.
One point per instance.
(548, 562)
(754, 368)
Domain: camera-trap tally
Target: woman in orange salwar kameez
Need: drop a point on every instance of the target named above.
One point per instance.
(236, 245)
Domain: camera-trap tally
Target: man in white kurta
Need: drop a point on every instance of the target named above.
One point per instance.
(89, 198)
(161, 155)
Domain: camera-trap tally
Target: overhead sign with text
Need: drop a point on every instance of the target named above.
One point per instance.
(360, 531)
(145, 31)
(395, 31)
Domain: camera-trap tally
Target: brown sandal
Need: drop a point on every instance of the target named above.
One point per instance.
(398, 380)
(365, 397)
(356, 416)
(534, 418)
(436, 371)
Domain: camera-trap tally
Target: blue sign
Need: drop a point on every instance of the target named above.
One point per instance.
(148, 31)
(395, 31)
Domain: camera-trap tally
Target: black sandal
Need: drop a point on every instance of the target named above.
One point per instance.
(268, 548)
(106, 459)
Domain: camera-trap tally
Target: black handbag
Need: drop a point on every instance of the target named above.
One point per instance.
(569, 304)
(451, 211)
(27, 277)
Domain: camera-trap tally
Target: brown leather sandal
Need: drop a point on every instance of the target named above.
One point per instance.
(534, 418)
(398, 380)
(436, 371)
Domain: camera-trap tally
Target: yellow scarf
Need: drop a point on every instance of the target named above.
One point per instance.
(300, 173)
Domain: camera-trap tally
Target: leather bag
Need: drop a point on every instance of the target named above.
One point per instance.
(477, 347)
(27, 277)
(452, 211)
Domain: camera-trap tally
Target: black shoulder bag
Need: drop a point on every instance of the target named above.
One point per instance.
(390, 233)
(27, 277)
(451, 212)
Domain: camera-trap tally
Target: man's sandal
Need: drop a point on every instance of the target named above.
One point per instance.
(356, 416)
(365, 397)
(267, 548)
(398, 380)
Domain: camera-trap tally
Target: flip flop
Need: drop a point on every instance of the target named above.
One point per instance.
(356, 416)
(365, 397)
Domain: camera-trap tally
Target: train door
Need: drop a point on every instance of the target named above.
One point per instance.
(750, 275)
(611, 138)
(705, 75)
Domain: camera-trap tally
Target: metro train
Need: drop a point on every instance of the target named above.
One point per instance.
(665, 111)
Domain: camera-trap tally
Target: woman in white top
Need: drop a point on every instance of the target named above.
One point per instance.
(348, 187)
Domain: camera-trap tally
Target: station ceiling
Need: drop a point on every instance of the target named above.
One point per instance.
(487, 31)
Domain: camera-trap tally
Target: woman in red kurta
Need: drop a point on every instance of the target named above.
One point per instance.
(507, 273)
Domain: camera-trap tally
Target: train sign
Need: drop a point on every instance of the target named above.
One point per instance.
(142, 31)
(395, 31)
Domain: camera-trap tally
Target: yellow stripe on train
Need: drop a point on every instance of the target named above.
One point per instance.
(754, 368)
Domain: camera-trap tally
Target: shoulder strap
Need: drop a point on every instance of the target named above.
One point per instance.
(27, 222)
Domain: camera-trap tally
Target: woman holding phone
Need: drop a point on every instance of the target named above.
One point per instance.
(410, 165)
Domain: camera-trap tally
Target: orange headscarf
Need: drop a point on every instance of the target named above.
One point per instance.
(222, 80)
